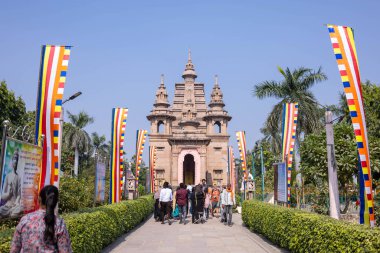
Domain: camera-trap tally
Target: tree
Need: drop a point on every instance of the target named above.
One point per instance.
(12, 108)
(142, 172)
(76, 137)
(371, 98)
(100, 145)
(295, 87)
(314, 160)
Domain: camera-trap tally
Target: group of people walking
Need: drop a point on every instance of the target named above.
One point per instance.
(200, 201)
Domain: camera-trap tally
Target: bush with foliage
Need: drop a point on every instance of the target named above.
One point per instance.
(301, 231)
(75, 193)
(92, 229)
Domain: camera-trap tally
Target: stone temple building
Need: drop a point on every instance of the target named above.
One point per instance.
(190, 136)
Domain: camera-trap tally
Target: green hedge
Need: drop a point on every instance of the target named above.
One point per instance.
(301, 231)
(92, 229)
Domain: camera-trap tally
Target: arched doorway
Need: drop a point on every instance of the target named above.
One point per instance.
(189, 169)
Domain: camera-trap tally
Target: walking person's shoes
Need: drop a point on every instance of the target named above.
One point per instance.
(170, 222)
(162, 222)
(230, 225)
(225, 223)
(180, 221)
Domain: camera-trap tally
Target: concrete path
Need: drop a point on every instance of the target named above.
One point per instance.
(210, 237)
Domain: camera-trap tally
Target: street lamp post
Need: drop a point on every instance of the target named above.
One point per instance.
(262, 172)
(253, 174)
(96, 164)
(61, 121)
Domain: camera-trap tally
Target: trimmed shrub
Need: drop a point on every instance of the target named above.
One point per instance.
(301, 231)
(92, 229)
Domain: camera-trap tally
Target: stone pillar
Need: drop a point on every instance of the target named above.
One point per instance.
(174, 166)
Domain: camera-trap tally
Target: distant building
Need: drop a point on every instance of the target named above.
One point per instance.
(191, 138)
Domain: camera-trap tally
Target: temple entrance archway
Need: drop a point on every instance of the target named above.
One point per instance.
(189, 170)
(189, 167)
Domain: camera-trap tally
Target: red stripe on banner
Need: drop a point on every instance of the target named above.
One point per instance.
(116, 154)
(61, 85)
(286, 134)
(343, 72)
(355, 63)
(364, 164)
(44, 123)
(66, 57)
(57, 114)
(358, 132)
(335, 45)
(350, 102)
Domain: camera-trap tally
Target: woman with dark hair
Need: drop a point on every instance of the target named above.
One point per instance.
(198, 202)
(42, 230)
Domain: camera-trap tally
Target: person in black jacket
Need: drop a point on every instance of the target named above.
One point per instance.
(198, 199)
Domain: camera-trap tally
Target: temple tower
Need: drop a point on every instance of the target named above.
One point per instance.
(191, 137)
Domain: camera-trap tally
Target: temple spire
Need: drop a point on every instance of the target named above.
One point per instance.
(162, 95)
(216, 96)
(189, 73)
(216, 81)
(162, 80)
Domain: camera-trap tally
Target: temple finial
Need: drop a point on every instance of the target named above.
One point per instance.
(216, 80)
(162, 79)
(189, 58)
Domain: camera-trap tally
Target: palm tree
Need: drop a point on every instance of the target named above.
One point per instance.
(76, 137)
(295, 87)
(100, 145)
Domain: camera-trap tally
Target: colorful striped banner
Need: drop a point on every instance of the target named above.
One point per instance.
(53, 71)
(140, 142)
(119, 121)
(289, 127)
(231, 165)
(152, 164)
(242, 150)
(342, 39)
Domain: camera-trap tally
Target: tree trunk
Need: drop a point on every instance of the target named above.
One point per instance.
(76, 162)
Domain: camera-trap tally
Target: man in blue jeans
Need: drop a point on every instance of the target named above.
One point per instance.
(228, 202)
(181, 199)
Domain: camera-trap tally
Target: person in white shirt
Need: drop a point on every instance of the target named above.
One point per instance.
(166, 197)
(228, 203)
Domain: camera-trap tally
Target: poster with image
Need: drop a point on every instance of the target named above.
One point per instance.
(282, 184)
(20, 178)
(100, 181)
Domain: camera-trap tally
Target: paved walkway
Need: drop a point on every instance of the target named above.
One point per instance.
(210, 237)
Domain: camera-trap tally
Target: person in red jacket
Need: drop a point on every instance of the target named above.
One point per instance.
(181, 199)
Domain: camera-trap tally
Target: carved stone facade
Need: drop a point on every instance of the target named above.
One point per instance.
(191, 138)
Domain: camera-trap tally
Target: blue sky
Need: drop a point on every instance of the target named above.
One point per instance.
(122, 47)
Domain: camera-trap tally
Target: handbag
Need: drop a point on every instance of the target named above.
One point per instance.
(175, 212)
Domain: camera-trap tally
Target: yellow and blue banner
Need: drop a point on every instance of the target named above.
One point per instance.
(140, 143)
(51, 84)
(289, 128)
(152, 166)
(342, 40)
(119, 121)
(231, 166)
(240, 135)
